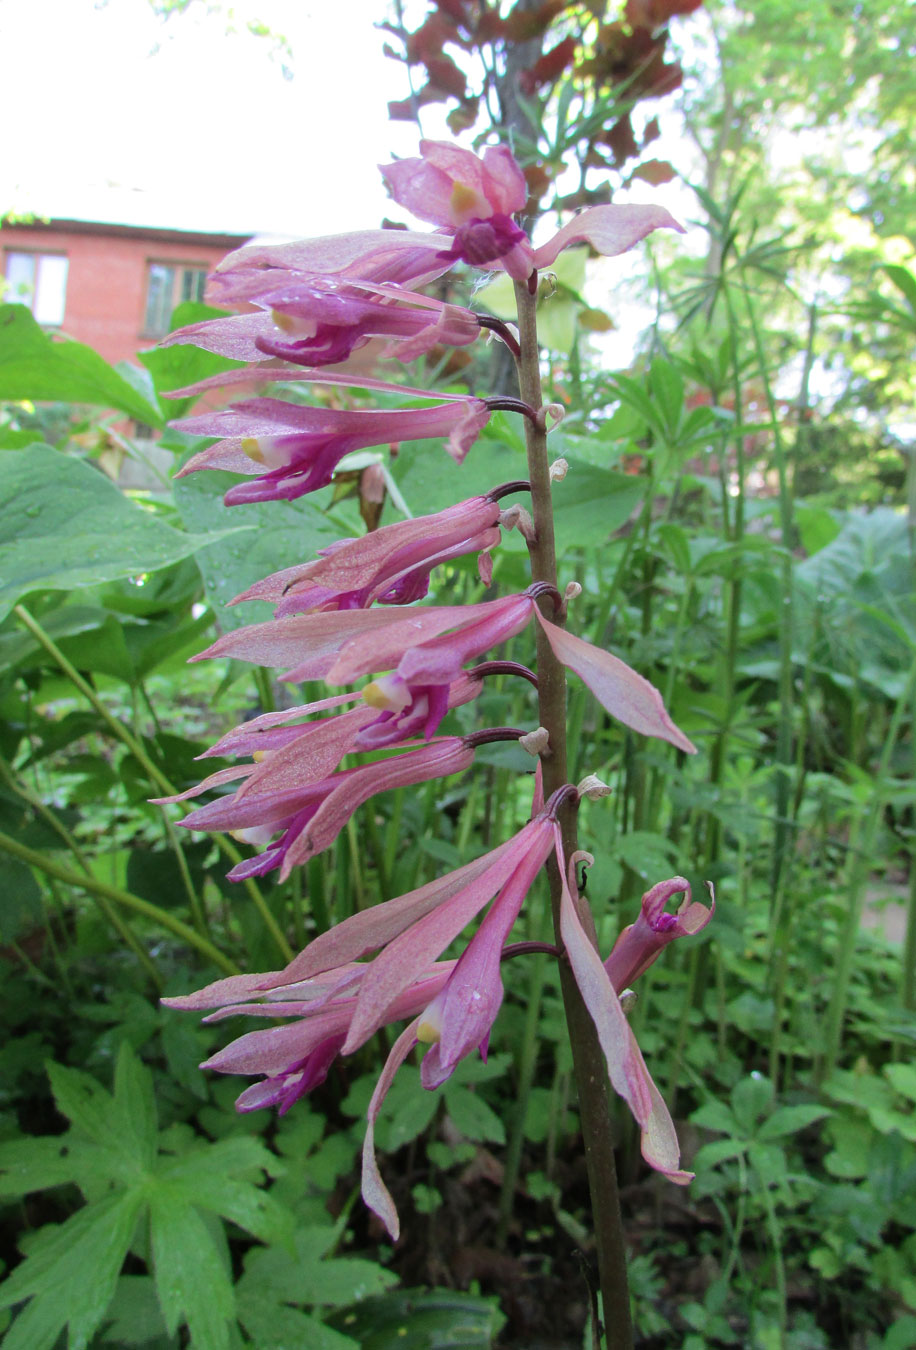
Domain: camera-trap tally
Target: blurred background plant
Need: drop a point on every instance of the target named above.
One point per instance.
(740, 515)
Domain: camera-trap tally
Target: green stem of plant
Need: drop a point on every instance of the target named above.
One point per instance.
(786, 611)
(157, 777)
(588, 1060)
(111, 915)
(125, 899)
(860, 862)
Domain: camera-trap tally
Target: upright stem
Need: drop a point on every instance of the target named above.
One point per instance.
(588, 1060)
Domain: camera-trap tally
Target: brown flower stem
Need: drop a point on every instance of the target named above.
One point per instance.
(588, 1060)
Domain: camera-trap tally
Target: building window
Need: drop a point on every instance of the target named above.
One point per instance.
(38, 280)
(168, 285)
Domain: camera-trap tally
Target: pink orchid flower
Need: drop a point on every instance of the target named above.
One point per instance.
(295, 1057)
(317, 321)
(294, 449)
(339, 1000)
(475, 199)
(308, 810)
(426, 647)
(388, 566)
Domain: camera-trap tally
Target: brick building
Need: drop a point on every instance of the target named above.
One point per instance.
(111, 286)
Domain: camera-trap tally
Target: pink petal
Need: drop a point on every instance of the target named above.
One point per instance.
(626, 1067)
(380, 924)
(609, 229)
(627, 696)
(375, 1192)
(416, 948)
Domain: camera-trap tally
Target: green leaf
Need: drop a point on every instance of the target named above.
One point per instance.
(790, 1120)
(64, 524)
(75, 1266)
(134, 1316)
(413, 1319)
(591, 503)
(473, 1116)
(267, 536)
(307, 1276)
(751, 1098)
(20, 901)
(28, 1165)
(191, 1281)
(44, 367)
(182, 365)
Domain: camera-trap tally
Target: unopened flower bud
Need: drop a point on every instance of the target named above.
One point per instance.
(628, 1001)
(593, 788)
(558, 470)
(572, 592)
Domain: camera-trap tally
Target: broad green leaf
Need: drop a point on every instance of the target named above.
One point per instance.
(201, 1181)
(591, 503)
(192, 1283)
(250, 541)
(184, 364)
(48, 368)
(277, 1325)
(64, 524)
(306, 1276)
(134, 1113)
(751, 1098)
(134, 1316)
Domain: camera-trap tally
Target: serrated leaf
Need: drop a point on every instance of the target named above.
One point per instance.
(76, 1266)
(135, 1105)
(306, 1276)
(474, 1117)
(28, 1165)
(192, 1283)
(92, 1112)
(279, 1327)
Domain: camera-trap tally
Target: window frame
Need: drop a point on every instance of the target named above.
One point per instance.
(155, 322)
(35, 301)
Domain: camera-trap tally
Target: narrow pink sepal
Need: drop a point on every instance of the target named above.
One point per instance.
(241, 739)
(626, 1067)
(416, 948)
(378, 925)
(314, 754)
(228, 990)
(215, 780)
(609, 229)
(374, 1191)
(281, 642)
(437, 759)
(627, 696)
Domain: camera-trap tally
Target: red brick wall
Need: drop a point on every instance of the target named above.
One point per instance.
(107, 278)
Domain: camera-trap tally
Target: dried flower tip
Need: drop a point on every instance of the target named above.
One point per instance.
(520, 518)
(548, 284)
(550, 416)
(593, 788)
(558, 470)
(536, 742)
(628, 1000)
(572, 592)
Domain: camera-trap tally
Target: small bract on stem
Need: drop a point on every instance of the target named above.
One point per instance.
(352, 614)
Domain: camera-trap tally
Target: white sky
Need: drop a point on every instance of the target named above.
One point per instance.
(205, 132)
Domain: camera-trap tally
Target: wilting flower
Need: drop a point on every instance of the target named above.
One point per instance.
(474, 199)
(339, 1000)
(317, 321)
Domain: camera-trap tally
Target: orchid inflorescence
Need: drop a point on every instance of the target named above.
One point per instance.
(352, 613)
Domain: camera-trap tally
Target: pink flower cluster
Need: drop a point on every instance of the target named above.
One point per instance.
(351, 614)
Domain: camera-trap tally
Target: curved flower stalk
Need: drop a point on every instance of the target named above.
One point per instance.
(339, 1001)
